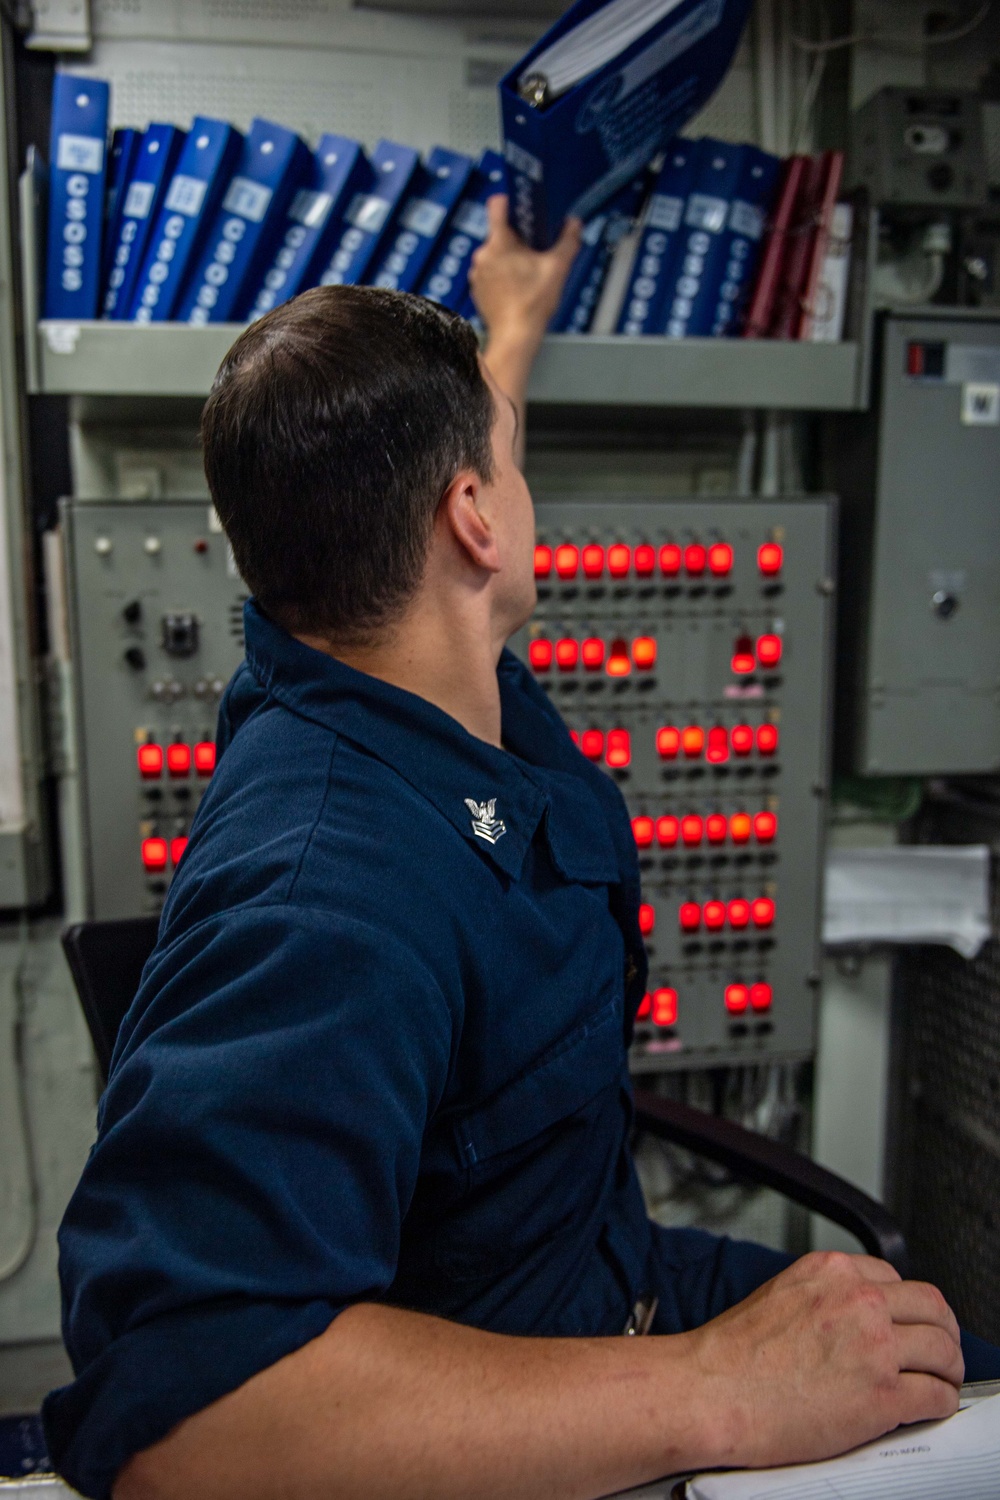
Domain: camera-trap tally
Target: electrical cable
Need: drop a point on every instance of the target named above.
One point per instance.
(879, 39)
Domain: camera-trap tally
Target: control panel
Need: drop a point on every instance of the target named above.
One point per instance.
(686, 644)
(157, 631)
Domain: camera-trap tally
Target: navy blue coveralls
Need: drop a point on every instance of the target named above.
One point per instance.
(379, 1053)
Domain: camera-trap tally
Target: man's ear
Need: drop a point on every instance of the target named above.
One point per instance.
(462, 511)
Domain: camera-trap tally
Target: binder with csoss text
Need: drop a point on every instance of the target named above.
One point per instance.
(434, 192)
(642, 308)
(370, 214)
(601, 237)
(121, 159)
(152, 170)
(77, 175)
(446, 278)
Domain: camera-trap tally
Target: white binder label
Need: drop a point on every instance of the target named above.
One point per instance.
(471, 219)
(706, 212)
(139, 200)
(186, 195)
(423, 217)
(248, 199)
(664, 212)
(746, 219)
(368, 212)
(80, 153)
(310, 209)
(523, 161)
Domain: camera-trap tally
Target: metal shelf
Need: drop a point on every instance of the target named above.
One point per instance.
(169, 359)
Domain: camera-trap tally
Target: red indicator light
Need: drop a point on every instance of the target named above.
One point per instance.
(741, 739)
(770, 558)
(154, 854)
(150, 759)
(718, 745)
(740, 827)
(739, 913)
(693, 741)
(540, 655)
(567, 560)
(647, 918)
(767, 738)
(670, 560)
(567, 654)
(618, 659)
(592, 743)
(645, 1007)
(760, 996)
(668, 742)
(716, 828)
(695, 558)
(691, 829)
(177, 847)
(715, 915)
(720, 558)
(765, 826)
(543, 561)
(668, 831)
(619, 560)
(204, 757)
(665, 1007)
(642, 831)
(644, 652)
(769, 650)
(574, 735)
(914, 359)
(690, 916)
(593, 560)
(179, 760)
(592, 652)
(645, 560)
(619, 751)
(762, 911)
(743, 657)
(737, 998)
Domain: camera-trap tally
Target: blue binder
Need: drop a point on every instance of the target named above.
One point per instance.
(369, 216)
(142, 198)
(741, 243)
(601, 237)
(569, 151)
(434, 192)
(121, 159)
(247, 222)
(642, 308)
(313, 223)
(77, 175)
(204, 167)
(446, 277)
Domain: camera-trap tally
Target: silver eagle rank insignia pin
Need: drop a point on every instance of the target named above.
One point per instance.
(485, 824)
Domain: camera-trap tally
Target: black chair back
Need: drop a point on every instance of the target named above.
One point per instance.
(106, 960)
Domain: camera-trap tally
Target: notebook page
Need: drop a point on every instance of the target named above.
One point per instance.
(596, 41)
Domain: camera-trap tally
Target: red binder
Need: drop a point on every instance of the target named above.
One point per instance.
(765, 290)
(834, 165)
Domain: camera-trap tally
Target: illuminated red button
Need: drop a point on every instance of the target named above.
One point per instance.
(642, 831)
(647, 918)
(693, 741)
(695, 558)
(204, 757)
(619, 663)
(716, 828)
(593, 560)
(741, 739)
(720, 558)
(769, 650)
(737, 998)
(177, 847)
(644, 652)
(767, 738)
(645, 1007)
(619, 560)
(592, 652)
(670, 560)
(718, 745)
(154, 854)
(690, 916)
(619, 751)
(150, 759)
(770, 558)
(692, 829)
(567, 560)
(592, 743)
(665, 1007)
(567, 654)
(740, 826)
(743, 658)
(668, 742)
(762, 911)
(645, 560)
(179, 760)
(714, 913)
(739, 913)
(668, 831)
(540, 655)
(765, 826)
(543, 561)
(760, 996)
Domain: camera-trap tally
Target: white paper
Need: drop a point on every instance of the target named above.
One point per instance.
(925, 893)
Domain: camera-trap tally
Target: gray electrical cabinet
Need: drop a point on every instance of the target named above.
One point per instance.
(919, 678)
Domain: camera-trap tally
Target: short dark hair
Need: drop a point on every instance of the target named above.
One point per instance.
(334, 426)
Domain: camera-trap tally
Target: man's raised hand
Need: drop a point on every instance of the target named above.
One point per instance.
(515, 288)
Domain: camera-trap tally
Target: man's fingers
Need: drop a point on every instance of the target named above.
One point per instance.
(919, 1302)
(496, 215)
(928, 1350)
(568, 243)
(924, 1398)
